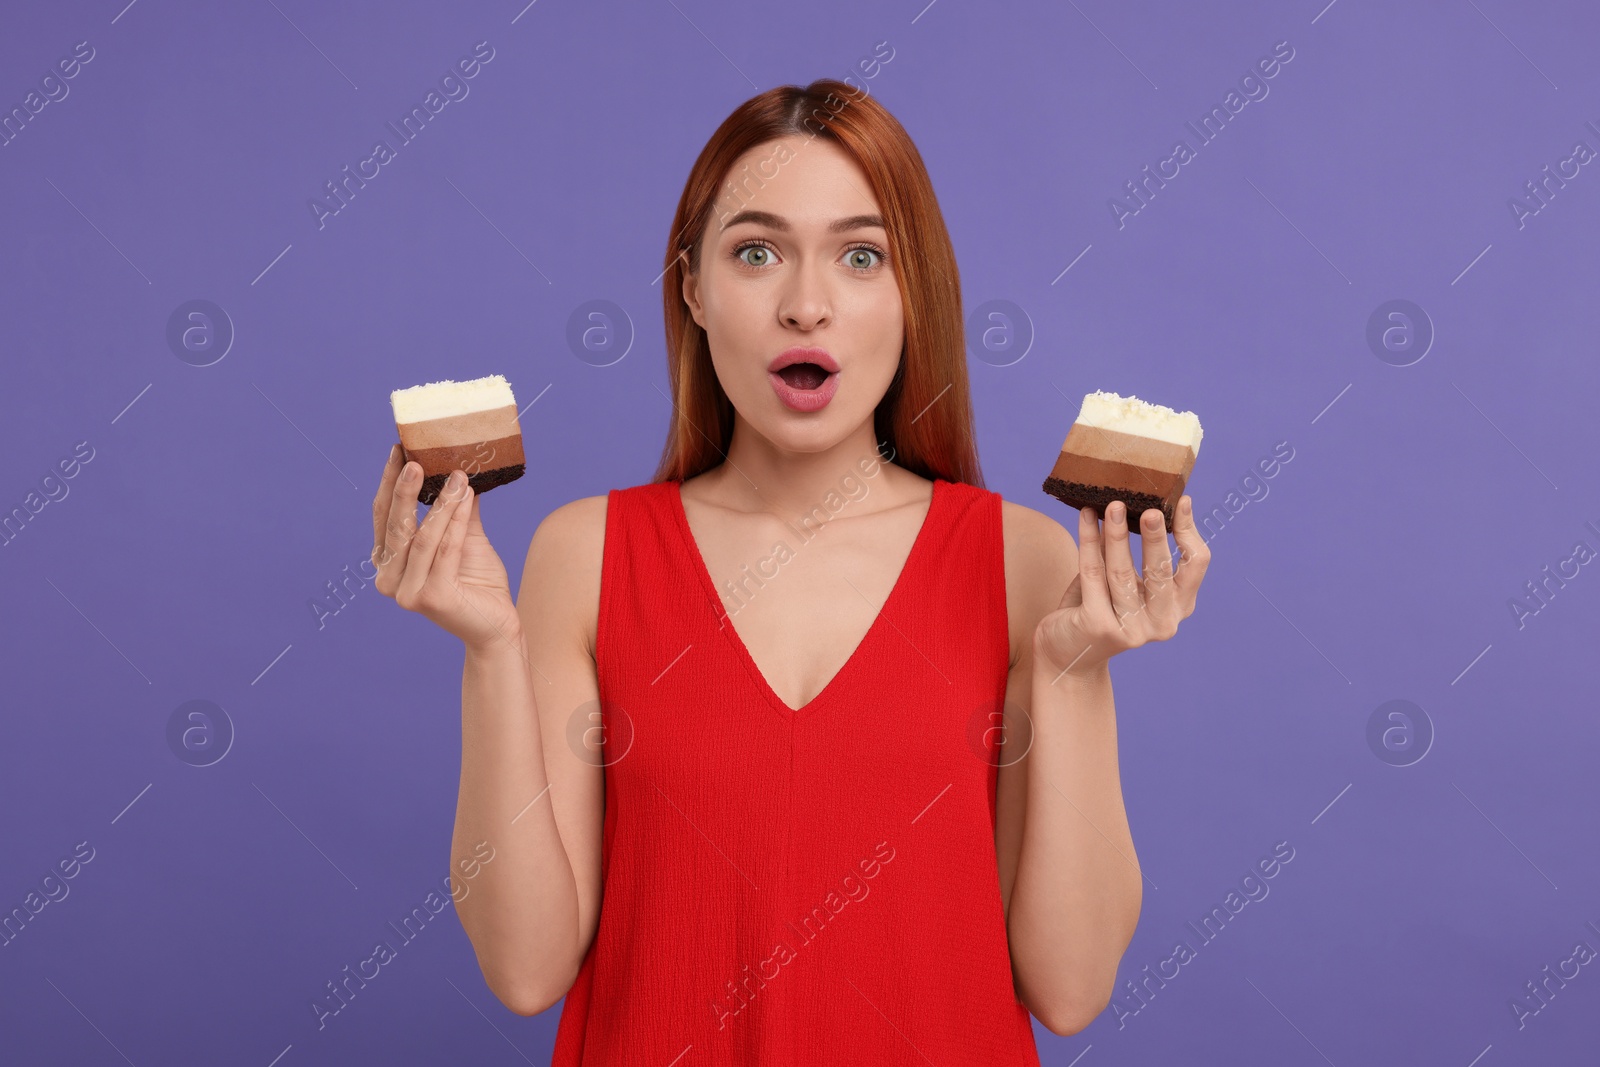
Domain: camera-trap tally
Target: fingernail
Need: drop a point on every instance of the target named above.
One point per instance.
(457, 477)
(409, 473)
(1116, 511)
(1187, 505)
(1151, 519)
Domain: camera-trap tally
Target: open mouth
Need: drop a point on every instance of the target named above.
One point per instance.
(803, 376)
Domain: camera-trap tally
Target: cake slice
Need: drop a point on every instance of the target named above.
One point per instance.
(1122, 448)
(467, 425)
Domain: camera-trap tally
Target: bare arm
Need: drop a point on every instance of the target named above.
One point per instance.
(1070, 878)
(531, 913)
(525, 850)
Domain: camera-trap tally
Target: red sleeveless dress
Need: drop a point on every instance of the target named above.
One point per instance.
(793, 887)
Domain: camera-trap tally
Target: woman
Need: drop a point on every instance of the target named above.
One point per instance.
(804, 838)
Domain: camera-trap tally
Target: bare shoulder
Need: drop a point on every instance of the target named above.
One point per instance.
(561, 575)
(1041, 559)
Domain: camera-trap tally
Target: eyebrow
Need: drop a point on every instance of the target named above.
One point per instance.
(778, 222)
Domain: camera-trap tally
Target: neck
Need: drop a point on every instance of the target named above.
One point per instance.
(760, 476)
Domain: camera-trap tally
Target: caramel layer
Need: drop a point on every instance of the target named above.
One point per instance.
(452, 431)
(1130, 450)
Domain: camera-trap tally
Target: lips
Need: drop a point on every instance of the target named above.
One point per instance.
(805, 379)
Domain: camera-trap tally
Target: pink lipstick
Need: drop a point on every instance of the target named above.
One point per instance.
(805, 379)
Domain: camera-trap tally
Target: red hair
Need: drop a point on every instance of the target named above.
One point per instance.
(925, 417)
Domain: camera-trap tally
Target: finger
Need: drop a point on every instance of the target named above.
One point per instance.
(380, 502)
(399, 527)
(447, 563)
(425, 545)
(1194, 552)
(1092, 563)
(1126, 597)
(1161, 598)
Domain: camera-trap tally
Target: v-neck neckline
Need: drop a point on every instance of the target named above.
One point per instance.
(725, 620)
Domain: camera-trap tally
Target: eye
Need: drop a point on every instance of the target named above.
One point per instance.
(857, 252)
(765, 251)
(860, 257)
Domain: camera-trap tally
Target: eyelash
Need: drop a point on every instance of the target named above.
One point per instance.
(883, 256)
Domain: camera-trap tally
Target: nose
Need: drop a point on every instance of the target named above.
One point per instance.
(806, 302)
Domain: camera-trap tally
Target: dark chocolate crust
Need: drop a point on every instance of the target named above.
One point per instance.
(1098, 497)
(481, 482)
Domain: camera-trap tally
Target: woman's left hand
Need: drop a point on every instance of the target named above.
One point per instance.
(1108, 607)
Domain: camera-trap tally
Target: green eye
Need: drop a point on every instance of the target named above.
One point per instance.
(760, 250)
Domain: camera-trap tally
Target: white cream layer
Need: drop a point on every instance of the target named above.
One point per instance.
(1129, 414)
(438, 400)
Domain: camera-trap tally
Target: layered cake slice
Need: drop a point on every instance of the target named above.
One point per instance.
(1122, 448)
(467, 425)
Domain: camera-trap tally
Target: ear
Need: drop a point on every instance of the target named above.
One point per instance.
(691, 297)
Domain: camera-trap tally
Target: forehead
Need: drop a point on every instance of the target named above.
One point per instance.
(810, 183)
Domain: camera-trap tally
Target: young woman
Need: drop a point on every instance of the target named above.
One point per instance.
(854, 794)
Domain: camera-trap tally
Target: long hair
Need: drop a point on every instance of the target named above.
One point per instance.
(924, 421)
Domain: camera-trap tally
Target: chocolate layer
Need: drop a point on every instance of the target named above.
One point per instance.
(1097, 466)
(487, 463)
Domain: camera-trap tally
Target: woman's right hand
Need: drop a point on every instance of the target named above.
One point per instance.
(444, 569)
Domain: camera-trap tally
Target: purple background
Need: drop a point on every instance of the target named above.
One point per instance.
(1379, 565)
